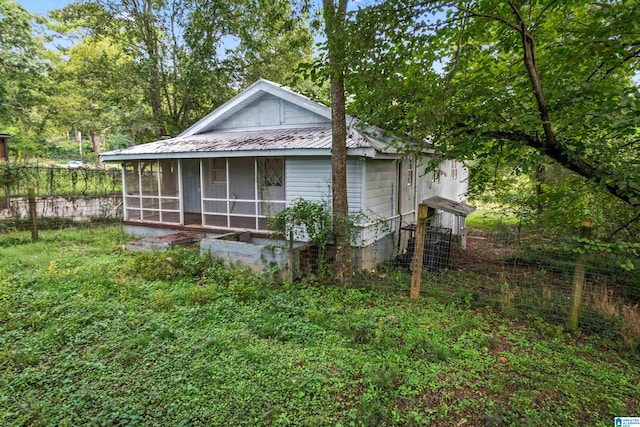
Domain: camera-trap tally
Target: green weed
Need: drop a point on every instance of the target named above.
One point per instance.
(92, 335)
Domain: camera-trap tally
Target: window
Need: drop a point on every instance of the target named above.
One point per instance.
(218, 168)
(436, 175)
(454, 170)
(273, 172)
(409, 173)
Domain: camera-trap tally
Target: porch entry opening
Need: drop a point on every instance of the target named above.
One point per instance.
(242, 192)
(191, 192)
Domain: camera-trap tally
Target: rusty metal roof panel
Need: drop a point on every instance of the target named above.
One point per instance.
(304, 138)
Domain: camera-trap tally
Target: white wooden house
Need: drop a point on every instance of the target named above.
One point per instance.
(257, 153)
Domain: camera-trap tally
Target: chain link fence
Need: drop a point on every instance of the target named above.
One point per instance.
(49, 181)
(63, 196)
(527, 275)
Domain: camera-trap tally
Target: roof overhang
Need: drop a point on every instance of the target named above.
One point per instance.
(320, 152)
(447, 205)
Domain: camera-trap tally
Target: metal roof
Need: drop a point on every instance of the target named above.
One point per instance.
(447, 205)
(260, 141)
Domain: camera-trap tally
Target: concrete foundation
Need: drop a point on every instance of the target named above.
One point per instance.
(264, 254)
(149, 244)
(370, 256)
(258, 254)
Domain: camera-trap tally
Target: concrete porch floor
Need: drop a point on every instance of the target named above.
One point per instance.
(182, 238)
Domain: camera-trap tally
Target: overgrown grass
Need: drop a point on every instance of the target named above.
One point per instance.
(490, 219)
(92, 335)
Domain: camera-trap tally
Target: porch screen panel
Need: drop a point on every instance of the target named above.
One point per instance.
(216, 221)
(215, 178)
(242, 190)
(169, 191)
(169, 177)
(131, 178)
(242, 181)
(152, 191)
(149, 174)
(132, 191)
(215, 203)
(149, 177)
(215, 206)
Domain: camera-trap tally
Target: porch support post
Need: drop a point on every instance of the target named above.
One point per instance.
(228, 201)
(202, 181)
(255, 172)
(180, 192)
(125, 203)
(159, 180)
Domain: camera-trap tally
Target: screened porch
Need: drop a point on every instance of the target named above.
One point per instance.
(230, 193)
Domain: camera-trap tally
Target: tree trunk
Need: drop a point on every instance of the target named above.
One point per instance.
(156, 109)
(334, 18)
(79, 141)
(146, 22)
(95, 141)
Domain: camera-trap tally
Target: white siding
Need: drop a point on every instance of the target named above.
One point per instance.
(381, 194)
(354, 185)
(407, 189)
(450, 187)
(295, 115)
(269, 110)
(310, 178)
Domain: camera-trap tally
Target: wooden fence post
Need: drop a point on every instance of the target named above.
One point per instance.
(32, 213)
(578, 282)
(418, 252)
(7, 186)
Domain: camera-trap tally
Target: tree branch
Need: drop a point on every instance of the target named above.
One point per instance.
(543, 11)
(562, 156)
(628, 223)
(490, 16)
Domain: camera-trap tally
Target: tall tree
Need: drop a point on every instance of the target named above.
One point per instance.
(24, 66)
(191, 54)
(96, 91)
(495, 78)
(335, 14)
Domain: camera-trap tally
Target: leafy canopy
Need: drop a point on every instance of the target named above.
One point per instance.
(513, 80)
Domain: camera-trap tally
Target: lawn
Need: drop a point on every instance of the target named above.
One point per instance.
(94, 335)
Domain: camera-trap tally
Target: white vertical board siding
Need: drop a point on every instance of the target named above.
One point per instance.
(407, 192)
(294, 115)
(309, 178)
(354, 184)
(381, 200)
(382, 188)
(269, 110)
